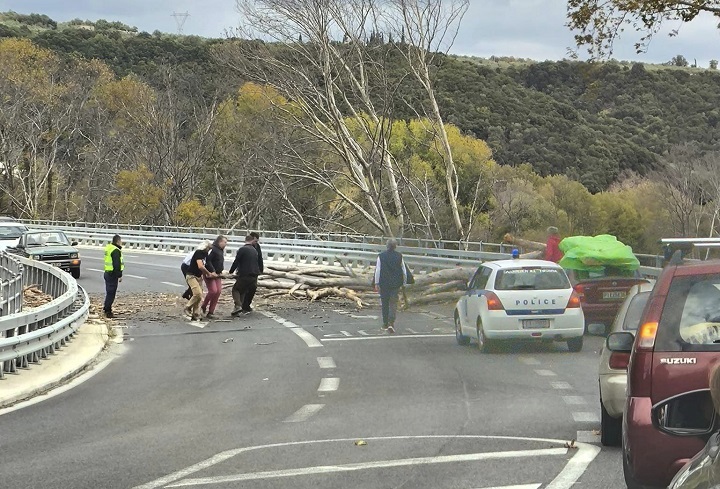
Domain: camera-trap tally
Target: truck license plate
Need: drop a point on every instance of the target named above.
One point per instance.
(614, 295)
(535, 323)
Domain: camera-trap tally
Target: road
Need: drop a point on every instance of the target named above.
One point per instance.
(312, 396)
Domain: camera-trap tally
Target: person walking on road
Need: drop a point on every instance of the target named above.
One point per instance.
(552, 247)
(215, 263)
(246, 267)
(114, 266)
(247, 303)
(184, 268)
(390, 277)
(194, 278)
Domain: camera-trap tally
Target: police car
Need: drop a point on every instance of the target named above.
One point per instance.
(519, 300)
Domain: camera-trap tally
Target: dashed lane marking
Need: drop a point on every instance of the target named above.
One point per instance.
(95, 270)
(198, 324)
(309, 339)
(134, 276)
(562, 386)
(304, 413)
(583, 417)
(546, 373)
(174, 285)
(588, 436)
(529, 360)
(572, 471)
(574, 400)
(383, 464)
(326, 362)
(329, 384)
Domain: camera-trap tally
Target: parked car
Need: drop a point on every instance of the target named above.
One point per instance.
(519, 300)
(10, 232)
(51, 247)
(602, 293)
(613, 366)
(669, 414)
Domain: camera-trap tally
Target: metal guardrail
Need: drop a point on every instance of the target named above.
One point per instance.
(29, 336)
(268, 236)
(11, 285)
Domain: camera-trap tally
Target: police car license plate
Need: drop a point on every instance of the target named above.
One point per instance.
(535, 323)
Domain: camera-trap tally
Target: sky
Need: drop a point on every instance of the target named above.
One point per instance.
(521, 28)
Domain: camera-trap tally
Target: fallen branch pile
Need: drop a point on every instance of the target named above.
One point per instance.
(34, 297)
(318, 282)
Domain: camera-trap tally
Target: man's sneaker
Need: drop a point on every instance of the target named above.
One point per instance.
(109, 314)
(245, 312)
(188, 312)
(391, 329)
(195, 317)
(235, 313)
(210, 316)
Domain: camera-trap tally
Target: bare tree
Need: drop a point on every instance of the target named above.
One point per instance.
(317, 54)
(429, 27)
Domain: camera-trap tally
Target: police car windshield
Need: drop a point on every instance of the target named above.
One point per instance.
(532, 278)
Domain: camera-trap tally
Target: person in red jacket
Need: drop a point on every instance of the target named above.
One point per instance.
(552, 247)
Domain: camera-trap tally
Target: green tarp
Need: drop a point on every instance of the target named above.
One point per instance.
(595, 253)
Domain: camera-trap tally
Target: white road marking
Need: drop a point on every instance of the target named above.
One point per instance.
(174, 285)
(588, 436)
(570, 474)
(529, 360)
(562, 386)
(387, 337)
(575, 467)
(309, 339)
(337, 335)
(574, 400)
(546, 373)
(363, 317)
(134, 276)
(95, 270)
(60, 390)
(586, 417)
(198, 324)
(522, 486)
(383, 464)
(329, 384)
(304, 413)
(326, 362)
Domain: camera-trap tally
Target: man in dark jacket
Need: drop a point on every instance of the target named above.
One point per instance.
(247, 269)
(390, 277)
(251, 294)
(114, 266)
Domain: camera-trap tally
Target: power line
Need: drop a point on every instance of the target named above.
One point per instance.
(180, 19)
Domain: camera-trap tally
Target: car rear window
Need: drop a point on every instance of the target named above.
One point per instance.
(690, 319)
(532, 278)
(634, 311)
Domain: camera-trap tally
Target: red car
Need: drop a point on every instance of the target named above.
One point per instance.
(669, 414)
(602, 295)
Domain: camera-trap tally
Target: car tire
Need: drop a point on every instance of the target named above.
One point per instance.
(75, 273)
(610, 428)
(484, 345)
(630, 481)
(459, 337)
(575, 344)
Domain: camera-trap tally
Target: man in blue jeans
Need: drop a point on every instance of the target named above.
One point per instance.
(114, 265)
(390, 277)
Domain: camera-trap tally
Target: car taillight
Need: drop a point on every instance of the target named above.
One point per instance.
(493, 302)
(647, 334)
(619, 361)
(580, 290)
(574, 301)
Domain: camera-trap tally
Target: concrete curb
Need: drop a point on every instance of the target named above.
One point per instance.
(41, 379)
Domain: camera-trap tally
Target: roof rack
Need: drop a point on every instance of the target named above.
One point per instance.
(691, 242)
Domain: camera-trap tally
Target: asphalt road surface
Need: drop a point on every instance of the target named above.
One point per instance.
(311, 396)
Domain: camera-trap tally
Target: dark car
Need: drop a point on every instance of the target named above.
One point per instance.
(603, 293)
(669, 413)
(51, 247)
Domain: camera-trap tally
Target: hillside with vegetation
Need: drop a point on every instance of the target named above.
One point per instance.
(154, 127)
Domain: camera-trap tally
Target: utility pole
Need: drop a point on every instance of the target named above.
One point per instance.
(180, 19)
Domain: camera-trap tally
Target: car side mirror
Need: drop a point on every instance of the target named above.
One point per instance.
(620, 342)
(74, 243)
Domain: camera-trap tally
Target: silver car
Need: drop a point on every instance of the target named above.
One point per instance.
(613, 366)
